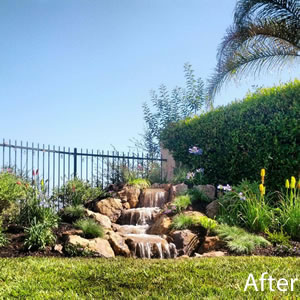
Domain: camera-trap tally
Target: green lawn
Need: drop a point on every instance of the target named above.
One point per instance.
(82, 278)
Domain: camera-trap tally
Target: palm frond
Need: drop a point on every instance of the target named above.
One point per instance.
(252, 55)
(280, 10)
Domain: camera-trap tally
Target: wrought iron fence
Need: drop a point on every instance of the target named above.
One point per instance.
(57, 165)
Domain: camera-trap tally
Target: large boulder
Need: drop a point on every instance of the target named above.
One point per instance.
(179, 189)
(208, 189)
(118, 244)
(110, 207)
(185, 241)
(161, 225)
(99, 246)
(212, 209)
(131, 195)
(99, 218)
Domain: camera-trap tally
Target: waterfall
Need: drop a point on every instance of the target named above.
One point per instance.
(135, 222)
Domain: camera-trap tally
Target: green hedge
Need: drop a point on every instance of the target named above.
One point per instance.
(262, 131)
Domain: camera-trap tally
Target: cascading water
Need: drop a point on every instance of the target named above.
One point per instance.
(136, 221)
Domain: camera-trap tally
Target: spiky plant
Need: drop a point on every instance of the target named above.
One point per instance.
(265, 34)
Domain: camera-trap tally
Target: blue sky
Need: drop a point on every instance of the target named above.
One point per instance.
(76, 72)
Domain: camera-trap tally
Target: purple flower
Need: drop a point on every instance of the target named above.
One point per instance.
(190, 175)
(195, 150)
(242, 197)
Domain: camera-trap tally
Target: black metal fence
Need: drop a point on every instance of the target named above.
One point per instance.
(57, 165)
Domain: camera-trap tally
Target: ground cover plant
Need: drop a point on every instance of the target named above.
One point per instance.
(81, 278)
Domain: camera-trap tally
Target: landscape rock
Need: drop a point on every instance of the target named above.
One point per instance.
(110, 207)
(58, 248)
(161, 225)
(179, 189)
(211, 243)
(131, 195)
(118, 244)
(212, 254)
(212, 209)
(166, 186)
(209, 190)
(99, 218)
(185, 241)
(97, 245)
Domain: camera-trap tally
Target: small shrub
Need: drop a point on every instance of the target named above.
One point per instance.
(76, 192)
(182, 202)
(34, 210)
(240, 241)
(198, 196)
(38, 236)
(90, 228)
(278, 238)
(78, 250)
(182, 221)
(72, 213)
(140, 183)
(206, 222)
(11, 189)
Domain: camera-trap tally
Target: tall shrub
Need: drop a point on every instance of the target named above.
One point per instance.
(262, 131)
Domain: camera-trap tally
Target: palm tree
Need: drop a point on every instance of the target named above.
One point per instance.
(265, 34)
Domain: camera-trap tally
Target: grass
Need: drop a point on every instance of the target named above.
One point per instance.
(182, 202)
(90, 228)
(81, 278)
(182, 221)
(240, 241)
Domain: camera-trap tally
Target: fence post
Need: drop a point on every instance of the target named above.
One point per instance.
(75, 162)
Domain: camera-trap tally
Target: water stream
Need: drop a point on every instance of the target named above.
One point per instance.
(136, 221)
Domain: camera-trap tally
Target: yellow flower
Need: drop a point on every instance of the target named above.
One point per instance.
(293, 182)
(287, 184)
(261, 188)
(262, 172)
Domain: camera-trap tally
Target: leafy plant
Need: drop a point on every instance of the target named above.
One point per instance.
(73, 212)
(198, 196)
(38, 236)
(240, 241)
(278, 238)
(78, 250)
(206, 222)
(90, 228)
(289, 207)
(182, 221)
(11, 189)
(140, 183)
(76, 192)
(243, 206)
(182, 202)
